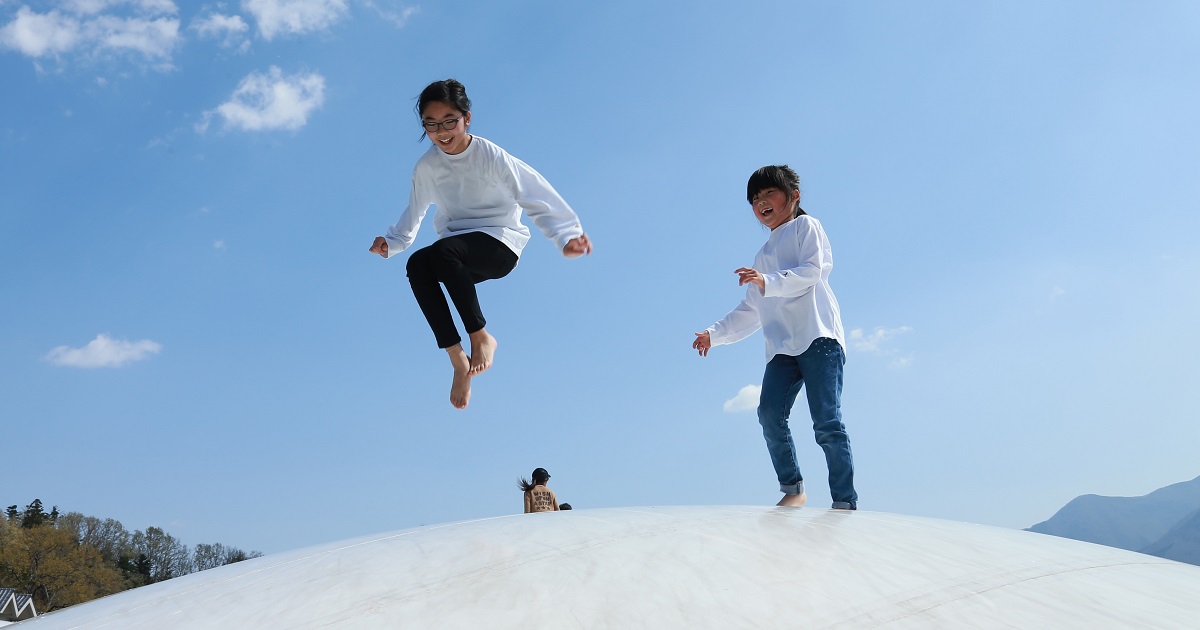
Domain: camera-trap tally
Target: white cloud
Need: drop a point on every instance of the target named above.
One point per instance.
(264, 102)
(37, 35)
(229, 30)
(153, 32)
(1056, 293)
(874, 341)
(153, 38)
(746, 399)
(286, 17)
(103, 351)
(219, 244)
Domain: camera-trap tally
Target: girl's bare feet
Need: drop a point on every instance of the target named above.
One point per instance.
(460, 388)
(793, 500)
(483, 348)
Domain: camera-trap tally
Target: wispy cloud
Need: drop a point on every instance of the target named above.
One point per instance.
(745, 400)
(876, 339)
(103, 351)
(398, 16)
(294, 17)
(99, 6)
(153, 38)
(229, 30)
(149, 29)
(879, 342)
(271, 101)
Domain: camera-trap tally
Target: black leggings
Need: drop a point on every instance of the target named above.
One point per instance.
(459, 262)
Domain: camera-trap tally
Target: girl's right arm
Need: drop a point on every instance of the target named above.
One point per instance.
(401, 235)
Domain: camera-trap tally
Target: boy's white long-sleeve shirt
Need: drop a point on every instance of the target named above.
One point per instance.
(797, 306)
(482, 189)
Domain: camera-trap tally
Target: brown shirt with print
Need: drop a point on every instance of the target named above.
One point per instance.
(540, 499)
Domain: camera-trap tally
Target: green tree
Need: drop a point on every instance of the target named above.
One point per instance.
(35, 514)
(237, 555)
(48, 563)
(108, 536)
(206, 556)
(66, 559)
(167, 557)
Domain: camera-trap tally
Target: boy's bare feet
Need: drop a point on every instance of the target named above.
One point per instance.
(793, 500)
(483, 348)
(460, 388)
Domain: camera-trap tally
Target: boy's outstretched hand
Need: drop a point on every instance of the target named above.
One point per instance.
(702, 343)
(379, 246)
(747, 275)
(577, 246)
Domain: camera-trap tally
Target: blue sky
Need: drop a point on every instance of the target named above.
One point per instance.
(193, 335)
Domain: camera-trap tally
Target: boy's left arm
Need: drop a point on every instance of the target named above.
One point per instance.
(814, 258)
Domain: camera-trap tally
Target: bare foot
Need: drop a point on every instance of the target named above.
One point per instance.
(793, 500)
(460, 388)
(483, 348)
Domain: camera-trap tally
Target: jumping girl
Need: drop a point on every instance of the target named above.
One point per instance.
(479, 192)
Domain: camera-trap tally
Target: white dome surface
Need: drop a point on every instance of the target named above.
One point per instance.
(672, 567)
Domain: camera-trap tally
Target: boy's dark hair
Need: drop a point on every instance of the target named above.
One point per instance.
(779, 176)
(448, 91)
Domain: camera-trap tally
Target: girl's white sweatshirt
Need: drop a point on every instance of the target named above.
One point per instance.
(797, 306)
(482, 189)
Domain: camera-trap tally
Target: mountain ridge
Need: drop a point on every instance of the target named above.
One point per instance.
(1163, 523)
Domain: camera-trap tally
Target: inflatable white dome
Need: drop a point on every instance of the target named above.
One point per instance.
(672, 567)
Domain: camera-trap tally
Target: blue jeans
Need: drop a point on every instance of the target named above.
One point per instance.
(819, 370)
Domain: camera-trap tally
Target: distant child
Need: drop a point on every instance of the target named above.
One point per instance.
(479, 191)
(790, 299)
(538, 498)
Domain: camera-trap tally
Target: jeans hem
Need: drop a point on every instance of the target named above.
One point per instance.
(796, 488)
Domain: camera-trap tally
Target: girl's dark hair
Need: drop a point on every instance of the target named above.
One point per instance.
(449, 91)
(781, 177)
(540, 477)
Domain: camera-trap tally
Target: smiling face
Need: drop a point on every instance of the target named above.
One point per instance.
(773, 207)
(452, 141)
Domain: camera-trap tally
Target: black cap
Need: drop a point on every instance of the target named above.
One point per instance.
(540, 472)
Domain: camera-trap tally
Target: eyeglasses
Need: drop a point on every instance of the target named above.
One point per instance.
(445, 124)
